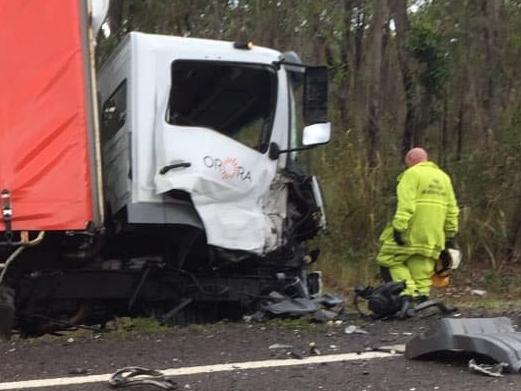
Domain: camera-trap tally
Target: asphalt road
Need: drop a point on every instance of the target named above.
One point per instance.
(87, 354)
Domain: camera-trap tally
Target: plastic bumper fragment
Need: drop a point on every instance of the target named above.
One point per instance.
(492, 337)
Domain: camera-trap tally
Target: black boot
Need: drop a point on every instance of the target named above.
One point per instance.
(407, 309)
(6, 312)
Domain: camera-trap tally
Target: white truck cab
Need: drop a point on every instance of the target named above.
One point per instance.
(203, 121)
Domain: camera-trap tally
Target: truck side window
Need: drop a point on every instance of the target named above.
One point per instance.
(295, 84)
(114, 112)
(237, 100)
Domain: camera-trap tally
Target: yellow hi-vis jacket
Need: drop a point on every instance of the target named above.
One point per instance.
(426, 213)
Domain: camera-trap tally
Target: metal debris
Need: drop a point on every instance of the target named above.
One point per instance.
(277, 346)
(131, 376)
(494, 370)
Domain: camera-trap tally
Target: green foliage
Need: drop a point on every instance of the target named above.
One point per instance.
(498, 282)
(427, 47)
(137, 325)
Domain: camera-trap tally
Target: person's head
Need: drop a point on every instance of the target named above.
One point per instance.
(415, 156)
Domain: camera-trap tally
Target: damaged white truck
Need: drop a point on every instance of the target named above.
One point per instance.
(174, 191)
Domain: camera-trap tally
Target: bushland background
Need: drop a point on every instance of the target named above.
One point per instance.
(443, 74)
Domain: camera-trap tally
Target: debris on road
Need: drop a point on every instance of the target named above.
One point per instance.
(323, 316)
(492, 337)
(290, 307)
(313, 350)
(393, 349)
(278, 346)
(328, 300)
(385, 302)
(352, 329)
(494, 370)
(434, 307)
(478, 292)
(132, 376)
(284, 351)
(279, 305)
(293, 354)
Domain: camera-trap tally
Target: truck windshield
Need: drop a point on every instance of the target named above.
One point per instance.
(237, 100)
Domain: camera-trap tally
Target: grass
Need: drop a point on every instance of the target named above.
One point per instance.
(137, 325)
(493, 303)
(300, 324)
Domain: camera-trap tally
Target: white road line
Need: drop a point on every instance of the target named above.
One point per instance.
(68, 381)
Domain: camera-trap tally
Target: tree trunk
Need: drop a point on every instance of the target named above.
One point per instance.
(115, 16)
(491, 32)
(344, 64)
(459, 128)
(408, 68)
(380, 18)
(444, 140)
(514, 240)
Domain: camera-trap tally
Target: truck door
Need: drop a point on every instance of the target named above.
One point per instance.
(212, 143)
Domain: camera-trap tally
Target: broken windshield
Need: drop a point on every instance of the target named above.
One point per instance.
(237, 100)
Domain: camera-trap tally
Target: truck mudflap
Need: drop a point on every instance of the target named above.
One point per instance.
(492, 337)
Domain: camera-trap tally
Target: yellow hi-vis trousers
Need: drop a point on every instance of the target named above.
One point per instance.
(416, 270)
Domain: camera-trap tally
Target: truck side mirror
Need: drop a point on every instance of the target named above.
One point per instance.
(315, 95)
(316, 134)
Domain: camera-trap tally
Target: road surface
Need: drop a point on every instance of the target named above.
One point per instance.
(200, 358)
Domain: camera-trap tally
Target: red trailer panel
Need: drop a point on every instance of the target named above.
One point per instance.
(46, 145)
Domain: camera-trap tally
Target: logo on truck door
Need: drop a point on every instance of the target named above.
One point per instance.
(228, 168)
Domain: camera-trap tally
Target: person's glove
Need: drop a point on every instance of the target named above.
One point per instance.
(397, 236)
(450, 243)
(445, 260)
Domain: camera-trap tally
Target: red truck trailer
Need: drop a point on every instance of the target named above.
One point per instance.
(48, 155)
(49, 159)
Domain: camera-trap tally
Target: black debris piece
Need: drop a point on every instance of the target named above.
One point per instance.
(291, 307)
(279, 305)
(328, 300)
